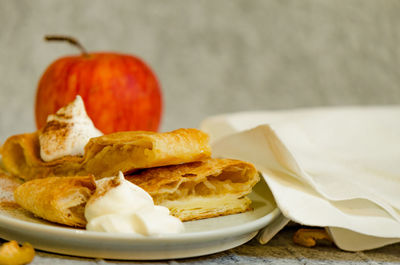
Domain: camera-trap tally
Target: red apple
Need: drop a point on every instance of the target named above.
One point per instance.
(121, 93)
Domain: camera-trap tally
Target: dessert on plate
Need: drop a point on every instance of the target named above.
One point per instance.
(191, 191)
(74, 176)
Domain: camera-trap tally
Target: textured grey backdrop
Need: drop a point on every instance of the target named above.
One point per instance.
(211, 56)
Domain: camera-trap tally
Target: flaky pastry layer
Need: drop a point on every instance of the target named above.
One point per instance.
(106, 155)
(58, 199)
(202, 189)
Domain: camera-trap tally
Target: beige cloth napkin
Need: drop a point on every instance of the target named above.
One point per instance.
(331, 167)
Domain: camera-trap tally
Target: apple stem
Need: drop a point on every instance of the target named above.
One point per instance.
(68, 39)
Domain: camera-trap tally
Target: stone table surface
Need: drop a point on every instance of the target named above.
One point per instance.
(280, 250)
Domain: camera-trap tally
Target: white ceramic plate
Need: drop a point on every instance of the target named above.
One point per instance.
(200, 237)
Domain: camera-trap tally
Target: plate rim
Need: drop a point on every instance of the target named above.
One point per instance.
(79, 242)
(259, 223)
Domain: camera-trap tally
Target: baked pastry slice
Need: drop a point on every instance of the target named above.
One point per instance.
(108, 154)
(191, 191)
(58, 199)
(208, 188)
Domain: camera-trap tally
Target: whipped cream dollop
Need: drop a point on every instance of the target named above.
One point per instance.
(119, 206)
(67, 132)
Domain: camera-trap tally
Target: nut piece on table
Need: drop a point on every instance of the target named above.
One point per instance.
(310, 237)
(12, 254)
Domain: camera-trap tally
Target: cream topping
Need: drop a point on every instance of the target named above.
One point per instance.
(119, 206)
(67, 132)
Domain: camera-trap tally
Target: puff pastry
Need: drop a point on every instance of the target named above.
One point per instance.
(191, 191)
(106, 155)
(208, 188)
(58, 199)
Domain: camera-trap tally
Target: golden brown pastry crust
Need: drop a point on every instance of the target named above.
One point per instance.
(58, 199)
(198, 190)
(108, 154)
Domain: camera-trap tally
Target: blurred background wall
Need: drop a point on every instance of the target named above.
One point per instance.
(212, 57)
